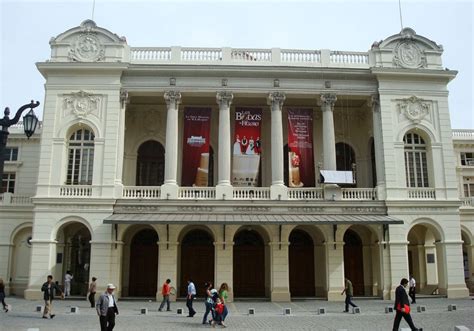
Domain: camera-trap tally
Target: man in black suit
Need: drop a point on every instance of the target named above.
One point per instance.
(402, 307)
(49, 288)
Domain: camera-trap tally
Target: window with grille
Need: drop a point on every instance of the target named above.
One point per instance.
(11, 154)
(416, 166)
(80, 158)
(467, 159)
(8, 183)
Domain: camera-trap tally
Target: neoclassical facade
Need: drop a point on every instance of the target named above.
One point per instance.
(308, 166)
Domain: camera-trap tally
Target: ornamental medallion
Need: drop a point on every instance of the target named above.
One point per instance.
(81, 103)
(87, 48)
(408, 55)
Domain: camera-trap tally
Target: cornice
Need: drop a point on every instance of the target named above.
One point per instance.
(411, 73)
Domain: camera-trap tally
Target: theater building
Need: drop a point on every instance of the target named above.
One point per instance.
(278, 171)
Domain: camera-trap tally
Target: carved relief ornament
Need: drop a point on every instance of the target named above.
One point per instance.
(408, 55)
(81, 103)
(415, 109)
(87, 48)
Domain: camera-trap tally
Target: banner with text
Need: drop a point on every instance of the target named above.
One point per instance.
(300, 148)
(247, 147)
(197, 129)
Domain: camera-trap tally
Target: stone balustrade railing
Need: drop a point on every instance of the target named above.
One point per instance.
(197, 193)
(424, 193)
(251, 193)
(141, 192)
(467, 202)
(15, 199)
(75, 191)
(305, 193)
(359, 194)
(463, 134)
(249, 56)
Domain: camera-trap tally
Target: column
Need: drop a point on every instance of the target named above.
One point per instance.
(279, 268)
(224, 189)
(43, 258)
(224, 265)
(327, 103)
(335, 270)
(105, 262)
(450, 269)
(378, 146)
(119, 166)
(278, 190)
(5, 253)
(398, 263)
(169, 190)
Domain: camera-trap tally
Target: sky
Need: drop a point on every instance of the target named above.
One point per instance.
(27, 26)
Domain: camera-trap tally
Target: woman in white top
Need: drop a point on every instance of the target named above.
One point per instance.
(237, 149)
(67, 283)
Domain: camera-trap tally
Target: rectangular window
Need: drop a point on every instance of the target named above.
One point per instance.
(11, 154)
(8, 182)
(80, 164)
(468, 185)
(467, 159)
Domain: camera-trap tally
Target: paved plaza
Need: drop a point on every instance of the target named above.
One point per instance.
(268, 316)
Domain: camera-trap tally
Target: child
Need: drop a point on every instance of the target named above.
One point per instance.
(218, 311)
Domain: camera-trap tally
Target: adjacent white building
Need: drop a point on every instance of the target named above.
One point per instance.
(98, 190)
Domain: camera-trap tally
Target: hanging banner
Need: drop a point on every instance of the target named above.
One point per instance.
(300, 148)
(196, 134)
(246, 147)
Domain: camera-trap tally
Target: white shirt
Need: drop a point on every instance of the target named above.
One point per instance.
(191, 289)
(68, 278)
(412, 282)
(111, 300)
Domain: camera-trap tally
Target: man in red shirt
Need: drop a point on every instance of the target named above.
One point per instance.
(165, 291)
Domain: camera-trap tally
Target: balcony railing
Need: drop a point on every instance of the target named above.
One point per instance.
(359, 194)
(141, 192)
(197, 193)
(421, 193)
(305, 193)
(75, 191)
(463, 134)
(251, 193)
(14, 199)
(467, 202)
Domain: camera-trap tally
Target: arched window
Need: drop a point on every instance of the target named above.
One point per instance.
(80, 158)
(150, 164)
(345, 157)
(416, 167)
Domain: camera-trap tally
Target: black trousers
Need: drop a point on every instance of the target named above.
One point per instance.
(349, 302)
(189, 304)
(411, 293)
(92, 299)
(398, 318)
(107, 322)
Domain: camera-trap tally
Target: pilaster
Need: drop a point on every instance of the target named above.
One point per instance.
(335, 270)
(280, 280)
(167, 267)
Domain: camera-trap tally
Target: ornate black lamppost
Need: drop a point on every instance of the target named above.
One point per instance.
(30, 121)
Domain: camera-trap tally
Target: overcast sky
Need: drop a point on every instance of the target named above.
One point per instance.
(27, 26)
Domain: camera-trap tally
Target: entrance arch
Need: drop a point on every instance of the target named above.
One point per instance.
(301, 264)
(354, 261)
(150, 164)
(73, 253)
(197, 260)
(467, 259)
(249, 264)
(143, 264)
(20, 262)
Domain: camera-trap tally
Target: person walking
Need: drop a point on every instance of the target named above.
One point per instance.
(165, 291)
(402, 307)
(92, 291)
(223, 294)
(2, 296)
(207, 301)
(107, 309)
(67, 283)
(412, 289)
(349, 294)
(50, 289)
(190, 297)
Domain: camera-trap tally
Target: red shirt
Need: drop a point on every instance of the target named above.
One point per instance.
(166, 289)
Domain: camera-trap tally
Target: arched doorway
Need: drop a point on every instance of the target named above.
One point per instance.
(143, 264)
(20, 262)
(73, 254)
(150, 164)
(301, 264)
(353, 261)
(249, 264)
(197, 260)
(467, 260)
(345, 157)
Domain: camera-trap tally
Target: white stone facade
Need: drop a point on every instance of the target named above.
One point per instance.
(136, 236)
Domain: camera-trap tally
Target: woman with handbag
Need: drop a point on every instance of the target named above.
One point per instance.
(402, 307)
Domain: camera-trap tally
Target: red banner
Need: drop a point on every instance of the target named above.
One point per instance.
(300, 148)
(246, 147)
(197, 128)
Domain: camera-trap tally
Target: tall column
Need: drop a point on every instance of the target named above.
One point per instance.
(224, 188)
(329, 140)
(278, 190)
(124, 100)
(378, 146)
(170, 188)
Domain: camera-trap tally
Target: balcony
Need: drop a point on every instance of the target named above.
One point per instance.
(467, 202)
(421, 193)
(10, 199)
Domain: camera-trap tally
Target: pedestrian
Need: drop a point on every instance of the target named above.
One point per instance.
(165, 291)
(207, 301)
(412, 289)
(349, 294)
(2, 296)
(67, 283)
(49, 288)
(402, 307)
(190, 297)
(92, 290)
(223, 294)
(107, 309)
(218, 313)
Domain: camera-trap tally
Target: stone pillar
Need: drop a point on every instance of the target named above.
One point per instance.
(398, 263)
(169, 190)
(450, 269)
(42, 260)
(378, 147)
(327, 103)
(5, 271)
(105, 262)
(224, 189)
(224, 265)
(119, 166)
(167, 267)
(280, 279)
(335, 270)
(278, 190)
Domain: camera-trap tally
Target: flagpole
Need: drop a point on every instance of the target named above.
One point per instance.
(400, 10)
(93, 8)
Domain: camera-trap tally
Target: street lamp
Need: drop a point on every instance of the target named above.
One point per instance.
(30, 121)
